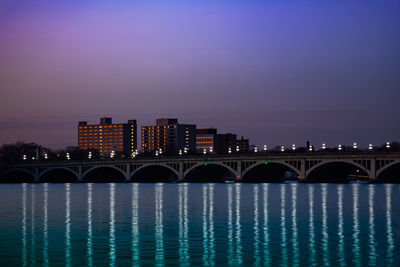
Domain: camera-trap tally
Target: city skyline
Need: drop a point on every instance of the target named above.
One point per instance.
(275, 72)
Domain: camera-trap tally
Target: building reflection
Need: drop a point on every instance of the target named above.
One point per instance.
(112, 225)
(45, 226)
(135, 225)
(389, 229)
(325, 241)
(24, 230)
(295, 243)
(311, 227)
(159, 230)
(183, 225)
(371, 225)
(256, 227)
(356, 226)
(67, 225)
(283, 226)
(341, 254)
(267, 261)
(89, 244)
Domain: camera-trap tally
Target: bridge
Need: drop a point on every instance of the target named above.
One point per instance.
(257, 167)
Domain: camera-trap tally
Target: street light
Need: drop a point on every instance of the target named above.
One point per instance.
(180, 152)
(255, 149)
(310, 148)
(293, 147)
(185, 150)
(112, 154)
(340, 147)
(265, 148)
(90, 155)
(156, 153)
(229, 150)
(370, 147)
(68, 156)
(355, 145)
(387, 145)
(211, 149)
(160, 152)
(237, 149)
(24, 157)
(323, 146)
(45, 156)
(282, 149)
(204, 151)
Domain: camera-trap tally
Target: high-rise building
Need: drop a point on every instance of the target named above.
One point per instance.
(243, 145)
(107, 137)
(169, 136)
(206, 139)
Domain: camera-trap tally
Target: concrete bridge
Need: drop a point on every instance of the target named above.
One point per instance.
(305, 166)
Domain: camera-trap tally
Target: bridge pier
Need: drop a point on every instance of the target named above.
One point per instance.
(36, 177)
(181, 172)
(303, 170)
(80, 174)
(372, 176)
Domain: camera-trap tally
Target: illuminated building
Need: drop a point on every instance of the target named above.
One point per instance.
(169, 136)
(107, 137)
(206, 139)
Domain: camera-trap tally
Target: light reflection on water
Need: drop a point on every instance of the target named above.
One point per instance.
(89, 244)
(341, 254)
(199, 224)
(325, 239)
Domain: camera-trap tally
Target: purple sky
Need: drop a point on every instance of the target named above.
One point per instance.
(277, 72)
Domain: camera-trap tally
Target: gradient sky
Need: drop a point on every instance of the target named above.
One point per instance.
(274, 71)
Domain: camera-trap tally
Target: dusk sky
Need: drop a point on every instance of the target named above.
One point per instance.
(274, 71)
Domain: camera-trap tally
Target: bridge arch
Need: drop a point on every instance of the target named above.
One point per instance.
(248, 174)
(58, 174)
(17, 175)
(212, 172)
(325, 163)
(110, 173)
(389, 172)
(155, 172)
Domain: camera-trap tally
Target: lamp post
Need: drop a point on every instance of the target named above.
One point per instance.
(387, 145)
(24, 157)
(323, 146)
(282, 149)
(340, 147)
(354, 145)
(180, 152)
(265, 148)
(255, 149)
(237, 149)
(294, 147)
(370, 147)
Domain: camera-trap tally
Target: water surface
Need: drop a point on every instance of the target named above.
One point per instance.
(199, 224)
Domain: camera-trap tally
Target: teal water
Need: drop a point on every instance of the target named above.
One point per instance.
(199, 224)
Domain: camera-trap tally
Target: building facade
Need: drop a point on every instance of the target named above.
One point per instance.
(107, 137)
(168, 136)
(243, 145)
(226, 141)
(206, 139)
